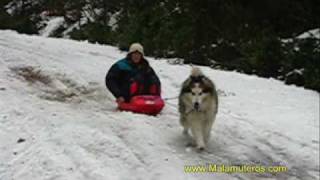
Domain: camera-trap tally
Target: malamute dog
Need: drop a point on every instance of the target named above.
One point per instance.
(198, 106)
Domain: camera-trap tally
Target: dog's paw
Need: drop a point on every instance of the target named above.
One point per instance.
(190, 144)
(185, 132)
(200, 149)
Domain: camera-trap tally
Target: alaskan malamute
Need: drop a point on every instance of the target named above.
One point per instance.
(198, 106)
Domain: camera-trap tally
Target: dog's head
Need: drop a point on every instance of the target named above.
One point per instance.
(197, 91)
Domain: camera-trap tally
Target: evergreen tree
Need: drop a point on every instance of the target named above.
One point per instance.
(238, 35)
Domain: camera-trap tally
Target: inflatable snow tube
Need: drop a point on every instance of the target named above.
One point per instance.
(144, 104)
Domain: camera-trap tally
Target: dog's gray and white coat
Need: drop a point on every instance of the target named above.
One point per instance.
(198, 106)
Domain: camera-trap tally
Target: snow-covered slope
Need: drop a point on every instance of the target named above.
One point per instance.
(51, 25)
(57, 120)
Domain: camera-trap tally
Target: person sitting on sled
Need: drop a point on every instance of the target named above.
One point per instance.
(132, 76)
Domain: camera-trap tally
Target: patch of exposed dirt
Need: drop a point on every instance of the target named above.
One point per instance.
(58, 87)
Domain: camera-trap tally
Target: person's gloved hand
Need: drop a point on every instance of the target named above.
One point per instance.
(120, 100)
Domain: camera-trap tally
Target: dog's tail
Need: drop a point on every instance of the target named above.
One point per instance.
(196, 72)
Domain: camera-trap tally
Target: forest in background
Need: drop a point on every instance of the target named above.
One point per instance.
(253, 37)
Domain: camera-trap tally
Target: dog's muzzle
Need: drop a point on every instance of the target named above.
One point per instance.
(196, 106)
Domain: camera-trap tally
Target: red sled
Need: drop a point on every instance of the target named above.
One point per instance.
(144, 104)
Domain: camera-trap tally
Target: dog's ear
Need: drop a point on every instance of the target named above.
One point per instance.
(185, 90)
(186, 86)
(207, 82)
(208, 85)
(207, 90)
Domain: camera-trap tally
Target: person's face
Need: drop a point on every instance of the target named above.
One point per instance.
(136, 57)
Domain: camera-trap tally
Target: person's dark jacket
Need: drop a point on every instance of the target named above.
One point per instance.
(123, 73)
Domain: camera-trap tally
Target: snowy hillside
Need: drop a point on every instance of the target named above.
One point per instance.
(58, 122)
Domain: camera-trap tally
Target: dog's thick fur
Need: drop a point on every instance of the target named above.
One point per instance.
(198, 106)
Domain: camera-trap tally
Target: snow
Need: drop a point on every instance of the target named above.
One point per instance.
(296, 71)
(113, 22)
(174, 61)
(214, 45)
(315, 33)
(10, 8)
(53, 24)
(76, 25)
(73, 131)
(13, 6)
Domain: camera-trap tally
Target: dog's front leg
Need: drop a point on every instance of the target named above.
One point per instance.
(207, 131)
(207, 125)
(197, 133)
